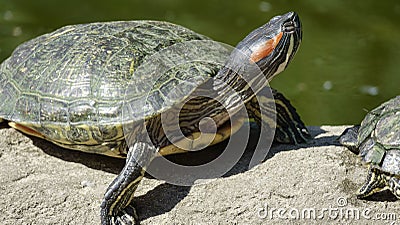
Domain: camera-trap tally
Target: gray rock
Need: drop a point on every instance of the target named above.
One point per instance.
(41, 183)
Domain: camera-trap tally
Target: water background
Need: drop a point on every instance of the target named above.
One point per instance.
(348, 63)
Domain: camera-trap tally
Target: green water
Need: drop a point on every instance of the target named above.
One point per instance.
(348, 62)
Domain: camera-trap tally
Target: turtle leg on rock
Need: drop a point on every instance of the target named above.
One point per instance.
(376, 181)
(288, 126)
(116, 207)
(394, 186)
(379, 181)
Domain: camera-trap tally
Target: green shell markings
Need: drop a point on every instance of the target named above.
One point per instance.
(377, 142)
(90, 87)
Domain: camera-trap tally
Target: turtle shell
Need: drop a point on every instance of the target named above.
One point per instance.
(379, 137)
(73, 85)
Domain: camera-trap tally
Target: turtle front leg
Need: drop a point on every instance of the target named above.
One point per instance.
(116, 208)
(288, 126)
(375, 182)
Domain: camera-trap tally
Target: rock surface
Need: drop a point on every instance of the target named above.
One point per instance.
(41, 183)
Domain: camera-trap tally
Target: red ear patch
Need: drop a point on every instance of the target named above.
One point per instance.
(265, 48)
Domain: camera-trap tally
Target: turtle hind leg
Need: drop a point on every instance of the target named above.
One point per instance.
(116, 206)
(376, 181)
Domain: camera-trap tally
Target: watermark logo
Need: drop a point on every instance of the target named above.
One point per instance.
(340, 211)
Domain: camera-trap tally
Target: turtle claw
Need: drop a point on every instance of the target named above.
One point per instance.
(127, 216)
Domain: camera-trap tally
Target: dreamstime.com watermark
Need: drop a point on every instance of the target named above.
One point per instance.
(338, 212)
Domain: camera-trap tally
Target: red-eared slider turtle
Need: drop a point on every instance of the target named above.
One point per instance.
(69, 87)
(377, 142)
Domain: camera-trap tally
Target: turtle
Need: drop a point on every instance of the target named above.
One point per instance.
(377, 143)
(103, 87)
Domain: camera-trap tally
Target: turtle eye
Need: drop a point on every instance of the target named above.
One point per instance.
(289, 26)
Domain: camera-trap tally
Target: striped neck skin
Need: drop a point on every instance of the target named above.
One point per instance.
(260, 56)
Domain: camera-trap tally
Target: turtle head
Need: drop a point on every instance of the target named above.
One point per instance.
(273, 45)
